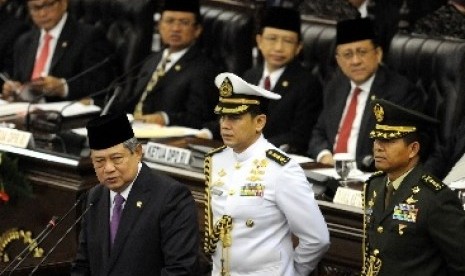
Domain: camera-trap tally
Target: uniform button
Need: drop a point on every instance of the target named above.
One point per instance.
(231, 192)
(249, 223)
(380, 229)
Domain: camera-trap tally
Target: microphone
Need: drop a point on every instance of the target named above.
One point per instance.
(39, 97)
(111, 100)
(368, 163)
(51, 224)
(61, 238)
(51, 120)
(41, 237)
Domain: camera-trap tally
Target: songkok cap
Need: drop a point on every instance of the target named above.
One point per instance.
(237, 95)
(282, 18)
(393, 121)
(108, 130)
(182, 5)
(352, 30)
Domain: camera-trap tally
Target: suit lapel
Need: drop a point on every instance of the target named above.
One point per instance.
(100, 223)
(367, 116)
(179, 66)
(64, 41)
(31, 53)
(131, 212)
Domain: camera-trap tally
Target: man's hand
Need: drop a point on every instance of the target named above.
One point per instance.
(327, 159)
(10, 90)
(49, 86)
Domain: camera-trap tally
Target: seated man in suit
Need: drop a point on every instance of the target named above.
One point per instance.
(345, 121)
(177, 87)
(59, 58)
(447, 161)
(292, 117)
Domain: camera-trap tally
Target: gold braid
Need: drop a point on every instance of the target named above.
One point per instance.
(211, 236)
(371, 264)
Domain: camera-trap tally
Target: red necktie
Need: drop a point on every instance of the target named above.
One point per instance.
(346, 127)
(267, 83)
(39, 65)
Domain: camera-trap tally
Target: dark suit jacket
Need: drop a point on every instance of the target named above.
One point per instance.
(187, 92)
(386, 85)
(446, 154)
(432, 244)
(10, 29)
(291, 119)
(158, 233)
(79, 47)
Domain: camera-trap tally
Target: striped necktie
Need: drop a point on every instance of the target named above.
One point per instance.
(157, 74)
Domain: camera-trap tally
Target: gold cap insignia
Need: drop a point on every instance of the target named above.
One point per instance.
(379, 113)
(226, 88)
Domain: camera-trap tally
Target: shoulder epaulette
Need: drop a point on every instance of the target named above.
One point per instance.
(375, 175)
(213, 151)
(432, 182)
(277, 156)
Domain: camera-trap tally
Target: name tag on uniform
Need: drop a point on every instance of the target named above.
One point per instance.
(252, 189)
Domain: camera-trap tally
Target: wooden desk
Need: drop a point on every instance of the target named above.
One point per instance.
(58, 182)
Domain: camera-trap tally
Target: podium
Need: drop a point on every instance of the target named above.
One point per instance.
(57, 182)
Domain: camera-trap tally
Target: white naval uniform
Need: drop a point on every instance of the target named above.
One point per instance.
(285, 206)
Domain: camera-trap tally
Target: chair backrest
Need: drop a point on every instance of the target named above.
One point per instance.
(437, 66)
(318, 37)
(128, 25)
(228, 37)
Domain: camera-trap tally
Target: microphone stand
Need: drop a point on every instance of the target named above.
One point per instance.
(40, 238)
(51, 224)
(61, 239)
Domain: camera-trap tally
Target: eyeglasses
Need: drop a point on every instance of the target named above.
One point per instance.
(181, 22)
(47, 6)
(273, 39)
(360, 53)
(100, 162)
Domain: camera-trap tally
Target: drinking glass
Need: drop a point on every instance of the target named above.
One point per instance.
(344, 163)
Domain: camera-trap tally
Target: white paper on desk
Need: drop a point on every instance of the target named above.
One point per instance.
(354, 174)
(145, 130)
(8, 109)
(67, 109)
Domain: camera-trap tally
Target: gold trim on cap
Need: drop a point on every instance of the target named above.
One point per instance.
(378, 110)
(239, 101)
(226, 88)
(236, 110)
(396, 128)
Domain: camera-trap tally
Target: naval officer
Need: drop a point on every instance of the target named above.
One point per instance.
(257, 196)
